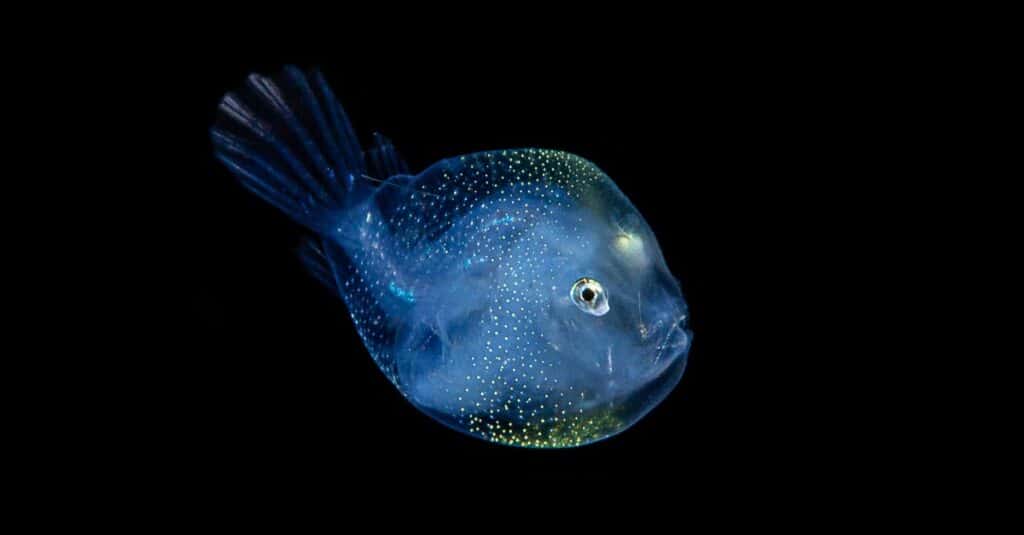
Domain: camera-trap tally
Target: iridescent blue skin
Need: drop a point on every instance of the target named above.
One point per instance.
(514, 295)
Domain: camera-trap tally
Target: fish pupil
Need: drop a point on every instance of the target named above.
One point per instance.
(587, 294)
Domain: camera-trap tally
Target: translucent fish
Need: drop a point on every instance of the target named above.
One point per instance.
(513, 295)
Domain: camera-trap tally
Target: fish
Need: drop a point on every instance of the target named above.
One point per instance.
(516, 296)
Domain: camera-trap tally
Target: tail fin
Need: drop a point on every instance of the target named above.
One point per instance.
(288, 140)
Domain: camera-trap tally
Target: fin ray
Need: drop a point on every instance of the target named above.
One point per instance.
(383, 160)
(313, 258)
(274, 136)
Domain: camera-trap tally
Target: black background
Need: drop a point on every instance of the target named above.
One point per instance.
(738, 149)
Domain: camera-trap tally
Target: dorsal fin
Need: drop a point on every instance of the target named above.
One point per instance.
(383, 161)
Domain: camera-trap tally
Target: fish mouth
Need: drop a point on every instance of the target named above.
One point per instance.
(675, 341)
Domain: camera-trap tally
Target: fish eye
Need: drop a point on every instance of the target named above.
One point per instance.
(589, 296)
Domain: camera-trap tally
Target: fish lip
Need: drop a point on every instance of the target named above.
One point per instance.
(673, 332)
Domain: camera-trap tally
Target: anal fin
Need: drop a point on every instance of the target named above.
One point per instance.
(313, 258)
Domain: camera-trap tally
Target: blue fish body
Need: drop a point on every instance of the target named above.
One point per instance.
(513, 295)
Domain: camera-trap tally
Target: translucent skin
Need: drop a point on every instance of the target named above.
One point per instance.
(464, 280)
(458, 280)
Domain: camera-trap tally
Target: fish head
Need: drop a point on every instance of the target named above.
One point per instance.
(616, 320)
(559, 322)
